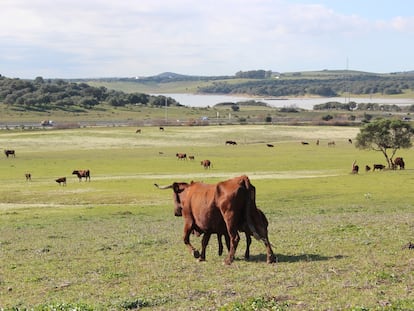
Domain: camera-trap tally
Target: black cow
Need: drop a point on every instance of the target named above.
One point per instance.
(231, 142)
(82, 174)
(10, 152)
(378, 167)
(61, 180)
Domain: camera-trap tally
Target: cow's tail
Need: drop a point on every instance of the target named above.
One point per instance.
(250, 206)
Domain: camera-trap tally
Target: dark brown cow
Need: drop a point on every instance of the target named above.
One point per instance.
(191, 157)
(270, 145)
(398, 162)
(10, 152)
(61, 180)
(181, 156)
(231, 142)
(247, 233)
(378, 167)
(28, 176)
(82, 174)
(208, 208)
(355, 168)
(138, 131)
(206, 164)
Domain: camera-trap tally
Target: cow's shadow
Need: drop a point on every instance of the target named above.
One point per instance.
(294, 258)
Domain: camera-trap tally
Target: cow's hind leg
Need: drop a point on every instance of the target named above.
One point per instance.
(234, 241)
(204, 243)
(187, 231)
(248, 242)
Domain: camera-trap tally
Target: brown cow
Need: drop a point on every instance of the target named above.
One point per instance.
(10, 152)
(208, 208)
(61, 180)
(82, 174)
(206, 164)
(138, 131)
(181, 156)
(398, 162)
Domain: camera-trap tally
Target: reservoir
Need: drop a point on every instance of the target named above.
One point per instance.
(198, 100)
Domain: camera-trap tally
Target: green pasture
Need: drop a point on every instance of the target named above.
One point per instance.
(114, 244)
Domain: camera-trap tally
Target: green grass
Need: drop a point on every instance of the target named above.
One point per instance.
(114, 243)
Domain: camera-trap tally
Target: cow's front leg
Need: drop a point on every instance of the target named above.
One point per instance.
(187, 231)
(271, 258)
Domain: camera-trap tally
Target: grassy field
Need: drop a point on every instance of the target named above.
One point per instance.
(114, 244)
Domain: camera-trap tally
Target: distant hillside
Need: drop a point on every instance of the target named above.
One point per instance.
(47, 95)
(326, 83)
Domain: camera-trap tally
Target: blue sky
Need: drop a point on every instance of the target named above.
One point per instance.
(127, 38)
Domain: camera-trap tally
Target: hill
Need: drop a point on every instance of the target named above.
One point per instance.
(325, 83)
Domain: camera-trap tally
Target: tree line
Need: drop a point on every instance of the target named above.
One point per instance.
(43, 95)
(362, 84)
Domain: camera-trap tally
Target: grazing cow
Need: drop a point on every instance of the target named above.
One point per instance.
(206, 163)
(231, 142)
(82, 174)
(138, 131)
(61, 180)
(191, 157)
(161, 129)
(367, 168)
(207, 208)
(378, 167)
(181, 156)
(270, 145)
(247, 233)
(398, 162)
(28, 176)
(304, 143)
(10, 152)
(331, 144)
(350, 140)
(355, 168)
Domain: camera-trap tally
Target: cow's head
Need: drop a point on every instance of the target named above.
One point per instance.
(178, 188)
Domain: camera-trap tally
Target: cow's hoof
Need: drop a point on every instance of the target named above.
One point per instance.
(201, 259)
(271, 259)
(228, 261)
(196, 254)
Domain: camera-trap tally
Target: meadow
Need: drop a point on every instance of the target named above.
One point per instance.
(114, 244)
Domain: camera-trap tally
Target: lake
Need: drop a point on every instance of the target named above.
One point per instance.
(197, 100)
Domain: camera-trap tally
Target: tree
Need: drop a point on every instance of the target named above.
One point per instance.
(386, 136)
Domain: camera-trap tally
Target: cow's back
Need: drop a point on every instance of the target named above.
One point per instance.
(201, 206)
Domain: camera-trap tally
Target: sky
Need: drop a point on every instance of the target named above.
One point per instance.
(133, 38)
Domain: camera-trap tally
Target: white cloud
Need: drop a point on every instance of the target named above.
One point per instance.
(128, 37)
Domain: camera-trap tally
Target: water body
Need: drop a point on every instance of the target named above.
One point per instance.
(197, 100)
